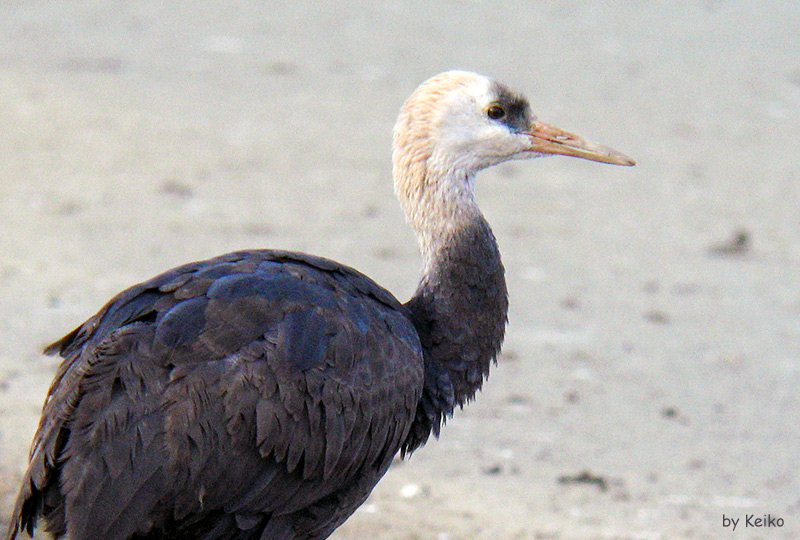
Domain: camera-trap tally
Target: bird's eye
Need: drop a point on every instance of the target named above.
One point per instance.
(495, 112)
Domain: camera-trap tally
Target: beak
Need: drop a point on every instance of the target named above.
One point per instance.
(547, 139)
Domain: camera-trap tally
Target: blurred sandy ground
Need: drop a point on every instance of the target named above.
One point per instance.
(137, 137)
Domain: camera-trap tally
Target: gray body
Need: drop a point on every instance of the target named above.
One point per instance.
(260, 394)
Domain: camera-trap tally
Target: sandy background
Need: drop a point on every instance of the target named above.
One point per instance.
(136, 138)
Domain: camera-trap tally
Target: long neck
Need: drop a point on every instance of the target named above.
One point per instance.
(459, 308)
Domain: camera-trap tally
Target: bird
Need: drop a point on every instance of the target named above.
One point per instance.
(262, 394)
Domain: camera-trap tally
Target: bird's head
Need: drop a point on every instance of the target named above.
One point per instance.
(457, 123)
(465, 121)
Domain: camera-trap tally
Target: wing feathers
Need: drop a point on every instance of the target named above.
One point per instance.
(244, 391)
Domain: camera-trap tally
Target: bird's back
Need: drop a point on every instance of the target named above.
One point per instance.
(257, 394)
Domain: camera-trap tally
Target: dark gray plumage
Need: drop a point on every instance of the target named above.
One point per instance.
(223, 399)
(263, 394)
